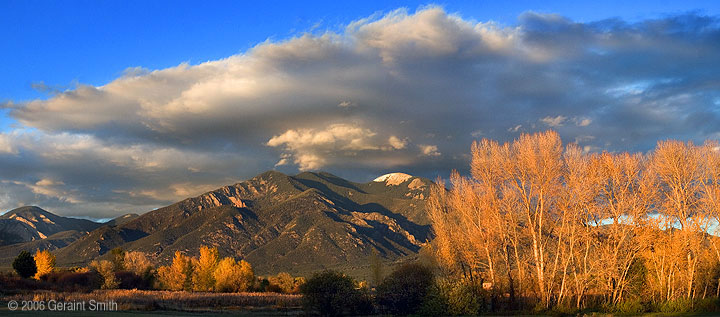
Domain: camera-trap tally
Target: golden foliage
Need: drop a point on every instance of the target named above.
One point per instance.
(107, 271)
(286, 282)
(137, 262)
(45, 262)
(232, 276)
(204, 266)
(558, 225)
(178, 275)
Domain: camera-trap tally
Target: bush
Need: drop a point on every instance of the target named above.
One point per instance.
(285, 283)
(24, 265)
(405, 289)
(332, 293)
(130, 280)
(464, 297)
(707, 305)
(70, 281)
(680, 305)
(628, 307)
(10, 283)
(435, 302)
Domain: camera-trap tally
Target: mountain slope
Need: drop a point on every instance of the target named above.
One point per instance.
(31, 223)
(277, 222)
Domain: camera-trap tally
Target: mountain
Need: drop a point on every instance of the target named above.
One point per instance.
(122, 219)
(31, 223)
(278, 222)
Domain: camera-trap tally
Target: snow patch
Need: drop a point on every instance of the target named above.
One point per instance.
(393, 178)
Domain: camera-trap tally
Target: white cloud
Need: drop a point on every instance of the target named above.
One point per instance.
(554, 122)
(346, 104)
(429, 150)
(6, 145)
(583, 122)
(397, 143)
(515, 128)
(310, 148)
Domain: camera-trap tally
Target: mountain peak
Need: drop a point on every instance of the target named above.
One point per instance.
(30, 223)
(393, 178)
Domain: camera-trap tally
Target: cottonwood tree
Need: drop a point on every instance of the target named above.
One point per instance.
(178, 275)
(565, 227)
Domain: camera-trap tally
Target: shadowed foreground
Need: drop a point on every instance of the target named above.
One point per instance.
(136, 302)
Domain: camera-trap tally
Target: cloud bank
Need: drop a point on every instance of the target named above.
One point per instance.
(398, 92)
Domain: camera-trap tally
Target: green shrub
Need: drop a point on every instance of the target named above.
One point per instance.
(24, 264)
(435, 302)
(707, 305)
(404, 290)
(680, 305)
(628, 307)
(332, 293)
(455, 297)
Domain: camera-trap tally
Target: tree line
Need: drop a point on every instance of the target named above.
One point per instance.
(542, 225)
(134, 270)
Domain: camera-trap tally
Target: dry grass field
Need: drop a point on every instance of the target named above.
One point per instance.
(137, 302)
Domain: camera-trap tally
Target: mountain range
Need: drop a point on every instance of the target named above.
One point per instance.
(277, 222)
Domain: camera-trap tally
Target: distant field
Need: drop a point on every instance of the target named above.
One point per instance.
(140, 303)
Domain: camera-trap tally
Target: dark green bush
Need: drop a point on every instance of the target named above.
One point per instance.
(465, 297)
(435, 302)
(707, 305)
(680, 305)
(628, 307)
(332, 293)
(24, 264)
(404, 290)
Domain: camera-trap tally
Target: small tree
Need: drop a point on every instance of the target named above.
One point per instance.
(118, 259)
(377, 268)
(106, 269)
(45, 263)
(404, 290)
(286, 282)
(332, 293)
(232, 276)
(177, 276)
(24, 264)
(137, 263)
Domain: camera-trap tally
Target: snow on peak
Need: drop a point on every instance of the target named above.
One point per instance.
(393, 178)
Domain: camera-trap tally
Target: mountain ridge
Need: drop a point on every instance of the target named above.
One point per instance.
(278, 222)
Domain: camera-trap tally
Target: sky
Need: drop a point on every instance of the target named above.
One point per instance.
(110, 107)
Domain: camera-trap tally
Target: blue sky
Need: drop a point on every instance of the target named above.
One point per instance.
(60, 43)
(123, 106)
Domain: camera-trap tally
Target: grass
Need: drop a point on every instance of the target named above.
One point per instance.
(136, 302)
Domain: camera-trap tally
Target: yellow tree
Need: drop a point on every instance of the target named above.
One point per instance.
(535, 172)
(233, 276)
(573, 264)
(45, 262)
(178, 275)
(106, 269)
(679, 172)
(204, 266)
(137, 262)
